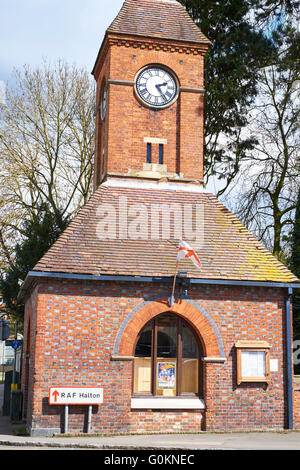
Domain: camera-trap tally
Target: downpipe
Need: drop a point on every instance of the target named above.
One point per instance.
(289, 377)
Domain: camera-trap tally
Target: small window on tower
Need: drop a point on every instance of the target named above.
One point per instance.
(148, 153)
(161, 154)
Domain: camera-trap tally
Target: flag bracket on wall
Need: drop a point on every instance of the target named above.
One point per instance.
(184, 251)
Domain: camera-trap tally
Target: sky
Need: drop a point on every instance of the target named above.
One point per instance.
(33, 30)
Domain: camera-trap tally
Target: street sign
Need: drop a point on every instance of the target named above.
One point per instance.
(75, 396)
(15, 344)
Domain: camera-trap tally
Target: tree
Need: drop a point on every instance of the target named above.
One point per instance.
(40, 232)
(294, 265)
(275, 9)
(232, 65)
(270, 176)
(46, 147)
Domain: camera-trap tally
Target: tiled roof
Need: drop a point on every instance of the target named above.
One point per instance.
(229, 251)
(164, 19)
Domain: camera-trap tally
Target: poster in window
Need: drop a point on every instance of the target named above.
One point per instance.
(166, 375)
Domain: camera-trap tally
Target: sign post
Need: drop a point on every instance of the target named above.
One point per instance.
(89, 424)
(66, 419)
(15, 345)
(76, 396)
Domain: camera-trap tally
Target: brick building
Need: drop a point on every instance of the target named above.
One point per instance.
(99, 311)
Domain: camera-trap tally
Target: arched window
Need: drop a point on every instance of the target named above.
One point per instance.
(167, 358)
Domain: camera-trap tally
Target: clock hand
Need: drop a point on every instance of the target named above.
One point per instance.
(160, 91)
(162, 84)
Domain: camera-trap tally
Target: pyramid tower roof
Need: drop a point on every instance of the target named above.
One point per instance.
(163, 19)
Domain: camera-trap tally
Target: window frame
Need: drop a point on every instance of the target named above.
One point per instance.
(179, 394)
(252, 346)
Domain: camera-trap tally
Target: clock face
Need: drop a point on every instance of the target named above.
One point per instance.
(156, 87)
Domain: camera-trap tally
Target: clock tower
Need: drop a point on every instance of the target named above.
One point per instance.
(149, 74)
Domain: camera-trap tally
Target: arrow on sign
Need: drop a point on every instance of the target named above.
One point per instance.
(55, 394)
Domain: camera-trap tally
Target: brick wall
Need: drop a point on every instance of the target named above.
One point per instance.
(297, 401)
(168, 421)
(75, 326)
(29, 355)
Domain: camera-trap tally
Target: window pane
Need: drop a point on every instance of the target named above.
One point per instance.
(167, 336)
(142, 375)
(190, 380)
(142, 362)
(148, 153)
(166, 370)
(143, 347)
(190, 363)
(189, 345)
(253, 363)
(161, 154)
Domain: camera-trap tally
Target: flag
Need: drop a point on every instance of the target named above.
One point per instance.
(185, 251)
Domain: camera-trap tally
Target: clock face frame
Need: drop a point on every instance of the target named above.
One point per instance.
(156, 86)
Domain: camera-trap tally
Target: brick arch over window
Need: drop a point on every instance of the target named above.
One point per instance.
(190, 310)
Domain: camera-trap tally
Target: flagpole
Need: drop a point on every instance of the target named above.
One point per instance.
(172, 298)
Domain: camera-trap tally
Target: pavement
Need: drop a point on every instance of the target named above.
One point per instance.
(284, 440)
